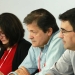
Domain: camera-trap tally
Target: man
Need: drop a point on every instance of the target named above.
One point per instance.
(66, 64)
(46, 45)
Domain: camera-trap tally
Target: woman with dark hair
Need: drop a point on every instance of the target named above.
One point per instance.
(13, 48)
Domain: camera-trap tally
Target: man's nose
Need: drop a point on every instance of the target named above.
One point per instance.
(30, 36)
(60, 35)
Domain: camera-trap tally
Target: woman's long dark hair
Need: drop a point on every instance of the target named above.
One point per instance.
(12, 28)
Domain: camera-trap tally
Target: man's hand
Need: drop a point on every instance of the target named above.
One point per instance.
(22, 71)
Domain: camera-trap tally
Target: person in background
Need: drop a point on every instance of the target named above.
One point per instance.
(13, 47)
(43, 33)
(66, 64)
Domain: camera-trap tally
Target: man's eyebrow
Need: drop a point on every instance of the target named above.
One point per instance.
(62, 28)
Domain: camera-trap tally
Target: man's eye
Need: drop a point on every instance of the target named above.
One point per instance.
(34, 32)
(63, 31)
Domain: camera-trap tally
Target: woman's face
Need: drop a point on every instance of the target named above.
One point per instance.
(3, 38)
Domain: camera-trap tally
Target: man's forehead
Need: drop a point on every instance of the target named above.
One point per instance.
(65, 24)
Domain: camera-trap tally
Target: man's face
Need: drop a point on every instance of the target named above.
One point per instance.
(37, 36)
(68, 35)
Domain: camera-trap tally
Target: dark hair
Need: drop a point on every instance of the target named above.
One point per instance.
(69, 15)
(44, 19)
(11, 27)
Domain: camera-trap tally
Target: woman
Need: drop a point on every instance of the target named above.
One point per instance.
(13, 48)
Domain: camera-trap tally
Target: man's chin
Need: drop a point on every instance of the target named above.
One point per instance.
(65, 47)
(34, 45)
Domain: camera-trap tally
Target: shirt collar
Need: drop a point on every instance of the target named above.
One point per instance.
(51, 38)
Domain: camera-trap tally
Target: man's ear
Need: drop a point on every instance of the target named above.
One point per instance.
(50, 31)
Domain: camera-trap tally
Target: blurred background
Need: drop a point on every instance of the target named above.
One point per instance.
(23, 7)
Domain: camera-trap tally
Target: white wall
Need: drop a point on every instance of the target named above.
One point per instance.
(22, 7)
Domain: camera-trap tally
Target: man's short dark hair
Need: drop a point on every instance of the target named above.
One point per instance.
(69, 15)
(43, 18)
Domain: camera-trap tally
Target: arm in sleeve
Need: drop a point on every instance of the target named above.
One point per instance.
(63, 65)
(29, 62)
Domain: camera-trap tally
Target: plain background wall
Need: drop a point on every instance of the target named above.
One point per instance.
(22, 7)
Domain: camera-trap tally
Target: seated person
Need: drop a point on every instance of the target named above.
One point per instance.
(43, 33)
(66, 64)
(13, 48)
